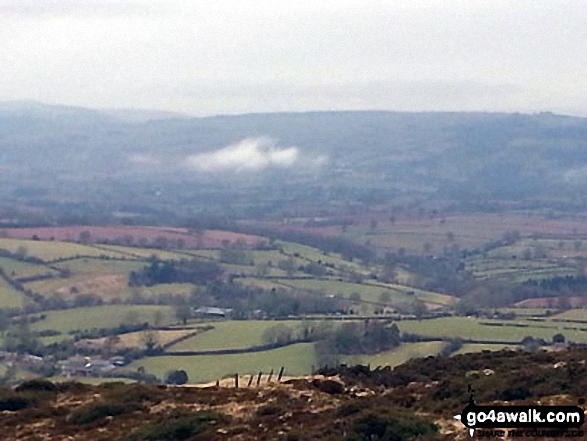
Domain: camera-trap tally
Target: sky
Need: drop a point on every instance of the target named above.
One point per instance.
(235, 56)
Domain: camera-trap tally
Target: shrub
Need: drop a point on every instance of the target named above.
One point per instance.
(101, 409)
(177, 426)
(135, 394)
(38, 384)
(382, 424)
(176, 377)
(14, 402)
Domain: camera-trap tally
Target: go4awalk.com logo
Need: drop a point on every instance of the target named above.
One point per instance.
(523, 421)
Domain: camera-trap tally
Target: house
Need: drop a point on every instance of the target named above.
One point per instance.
(211, 311)
(85, 367)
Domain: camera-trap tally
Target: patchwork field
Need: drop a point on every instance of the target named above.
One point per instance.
(17, 269)
(132, 234)
(103, 270)
(106, 316)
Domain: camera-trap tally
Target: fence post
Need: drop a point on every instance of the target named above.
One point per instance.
(251, 380)
(259, 378)
(280, 374)
(270, 376)
(236, 381)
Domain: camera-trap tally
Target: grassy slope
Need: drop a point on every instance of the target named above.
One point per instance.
(9, 297)
(297, 360)
(397, 356)
(17, 269)
(231, 335)
(470, 328)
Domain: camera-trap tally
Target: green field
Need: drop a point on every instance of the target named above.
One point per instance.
(397, 356)
(10, 297)
(420, 294)
(235, 334)
(142, 253)
(525, 312)
(91, 380)
(572, 314)
(16, 269)
(369, 291)
(315, 255)
(470, 328)
(106, 316)
(475, 347)
(99, 266)
(297, 359)
(51, 250)
(262, 283)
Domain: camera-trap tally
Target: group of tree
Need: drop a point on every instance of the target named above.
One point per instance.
(159, 271)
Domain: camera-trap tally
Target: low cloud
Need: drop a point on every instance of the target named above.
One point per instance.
(250, 154)
(144, 160)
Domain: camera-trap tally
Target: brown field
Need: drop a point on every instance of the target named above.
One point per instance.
(106, 287)
(391, 231)
(137, 339)
(140, 235)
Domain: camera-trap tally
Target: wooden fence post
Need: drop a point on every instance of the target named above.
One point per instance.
(280, 374)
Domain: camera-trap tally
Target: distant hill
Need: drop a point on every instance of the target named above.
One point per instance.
(441, 155)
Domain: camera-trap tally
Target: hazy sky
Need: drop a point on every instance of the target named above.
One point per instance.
(237, 56)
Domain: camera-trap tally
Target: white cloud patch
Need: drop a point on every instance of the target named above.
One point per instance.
(250, 154)
(144, 160)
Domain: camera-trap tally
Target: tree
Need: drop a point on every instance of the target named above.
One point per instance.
(388, 274)
(419, 309)
(176, 377)
(355, 297)
(558, 338)
(110, 343)
(288, 265)
(131, 318)
(183, 313)
(150, 339)
(157, 318)
(85, 236)
(21, 339)
(326, 354)
(21, 252)
(278, 335)
(385, 297)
